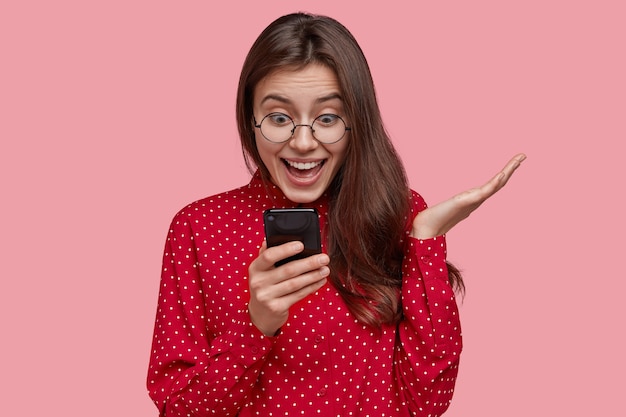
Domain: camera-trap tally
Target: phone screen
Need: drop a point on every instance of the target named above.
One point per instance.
(293, 224)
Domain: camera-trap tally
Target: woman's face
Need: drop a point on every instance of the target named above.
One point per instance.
(301, 167)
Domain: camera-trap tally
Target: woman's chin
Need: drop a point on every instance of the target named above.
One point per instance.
(302, 196)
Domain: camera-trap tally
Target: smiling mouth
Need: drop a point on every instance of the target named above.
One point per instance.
(304, 169)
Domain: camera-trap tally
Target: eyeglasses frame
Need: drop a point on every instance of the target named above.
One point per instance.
(295, 125)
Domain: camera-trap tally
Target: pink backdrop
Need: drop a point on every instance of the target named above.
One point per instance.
(113, 115)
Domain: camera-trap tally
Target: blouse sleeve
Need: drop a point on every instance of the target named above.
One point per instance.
(427, 355)
(192, 372)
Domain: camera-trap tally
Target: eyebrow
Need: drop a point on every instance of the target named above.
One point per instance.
(323, 99)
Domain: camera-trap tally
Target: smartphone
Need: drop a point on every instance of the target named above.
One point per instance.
(293, 224)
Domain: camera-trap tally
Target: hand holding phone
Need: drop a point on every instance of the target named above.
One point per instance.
(293, 224)
(274, 291)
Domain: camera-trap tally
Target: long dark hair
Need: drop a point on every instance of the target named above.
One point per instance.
(370, 198)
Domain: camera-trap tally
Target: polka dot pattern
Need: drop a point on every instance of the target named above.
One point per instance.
(208, 359)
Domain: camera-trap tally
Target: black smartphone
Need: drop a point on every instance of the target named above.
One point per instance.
(293, 224)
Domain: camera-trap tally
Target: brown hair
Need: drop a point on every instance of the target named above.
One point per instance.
(370, 196)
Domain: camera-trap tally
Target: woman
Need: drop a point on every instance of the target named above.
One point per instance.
(369, 326)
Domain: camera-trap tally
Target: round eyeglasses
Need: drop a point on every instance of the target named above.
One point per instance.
(279, 128)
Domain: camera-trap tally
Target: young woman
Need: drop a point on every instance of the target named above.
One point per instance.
(370, 326)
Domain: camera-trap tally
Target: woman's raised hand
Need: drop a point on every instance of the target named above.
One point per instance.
(439, 219)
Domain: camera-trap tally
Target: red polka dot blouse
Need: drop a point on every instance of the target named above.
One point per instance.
(208, 359)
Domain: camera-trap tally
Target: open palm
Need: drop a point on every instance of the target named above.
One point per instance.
(439, 219)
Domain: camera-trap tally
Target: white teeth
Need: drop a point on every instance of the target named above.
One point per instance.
(303, 165)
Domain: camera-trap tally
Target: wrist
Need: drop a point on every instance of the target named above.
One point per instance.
(268, 330)
(422, 233)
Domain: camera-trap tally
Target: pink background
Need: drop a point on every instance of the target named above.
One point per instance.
(113, 115)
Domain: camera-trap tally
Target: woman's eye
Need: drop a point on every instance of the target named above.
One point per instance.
(279, 119)
(327, 119)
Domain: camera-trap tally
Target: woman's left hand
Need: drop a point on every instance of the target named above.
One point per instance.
(439, 219)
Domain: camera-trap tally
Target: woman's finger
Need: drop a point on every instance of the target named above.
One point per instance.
(501, 178)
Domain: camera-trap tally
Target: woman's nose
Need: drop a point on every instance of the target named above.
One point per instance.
(303, 139)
